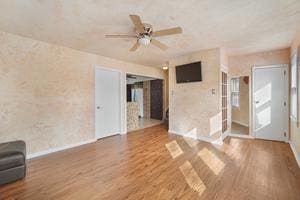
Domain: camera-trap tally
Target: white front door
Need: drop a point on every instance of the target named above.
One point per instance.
(270, 113)
(107, 102)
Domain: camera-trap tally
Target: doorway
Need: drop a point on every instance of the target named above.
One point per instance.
(107, 102)
(240, 103)
(144, 101)
(270, 102)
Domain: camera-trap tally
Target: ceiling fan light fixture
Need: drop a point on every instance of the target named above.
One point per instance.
(165, 67)
(145, 35)
(144, 40)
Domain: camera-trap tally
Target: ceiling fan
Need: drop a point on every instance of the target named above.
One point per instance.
(145, 34)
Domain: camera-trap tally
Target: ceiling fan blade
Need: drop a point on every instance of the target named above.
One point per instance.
(136, 20)
(170, 31)
(159, 44)
(120, 36)
(135, 46)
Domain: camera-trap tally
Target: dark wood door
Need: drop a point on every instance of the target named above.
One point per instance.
(156, 93)
(129, 93)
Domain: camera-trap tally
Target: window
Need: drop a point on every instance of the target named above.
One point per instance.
(235, 92)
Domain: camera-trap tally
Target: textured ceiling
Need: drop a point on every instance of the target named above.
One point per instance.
(238, 26)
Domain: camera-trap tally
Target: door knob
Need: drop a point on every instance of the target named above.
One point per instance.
(256, 102)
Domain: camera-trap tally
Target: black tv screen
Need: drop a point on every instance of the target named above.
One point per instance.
(188, 73)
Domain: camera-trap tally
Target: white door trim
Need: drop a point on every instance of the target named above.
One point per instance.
(121, 118)
(286, 67)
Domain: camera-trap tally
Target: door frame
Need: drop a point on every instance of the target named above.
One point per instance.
(124, 100)
(121, 120)
(286, 67)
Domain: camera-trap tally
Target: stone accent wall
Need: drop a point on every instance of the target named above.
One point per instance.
(146, 97)
(132, 116)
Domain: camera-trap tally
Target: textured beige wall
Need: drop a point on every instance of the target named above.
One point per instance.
(192, 105)
(242, 65)
(47, 92)
(241, 114)
(295, 126)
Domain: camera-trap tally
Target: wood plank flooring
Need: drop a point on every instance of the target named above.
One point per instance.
(152, 164)
(239, 129)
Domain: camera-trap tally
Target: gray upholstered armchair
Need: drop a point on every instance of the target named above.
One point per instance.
(12, 161)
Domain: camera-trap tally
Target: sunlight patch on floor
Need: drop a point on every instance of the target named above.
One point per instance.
(191, 142)
(174, 149)
(192, 178)
(211, 160)
(165, 194)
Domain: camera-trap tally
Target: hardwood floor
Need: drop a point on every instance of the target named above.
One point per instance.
(239, 129)
(152, 164)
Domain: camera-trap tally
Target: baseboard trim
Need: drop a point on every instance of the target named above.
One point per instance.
(178, 133)
(175, 132)
(240, 123)
(56, 149)
(225, 135)
(296, 154)
(241, 136)
(218, 141)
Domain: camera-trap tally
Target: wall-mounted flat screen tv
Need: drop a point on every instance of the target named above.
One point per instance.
(189, 73)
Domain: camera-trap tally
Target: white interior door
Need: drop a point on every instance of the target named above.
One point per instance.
(269, 103)
(107, 102)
